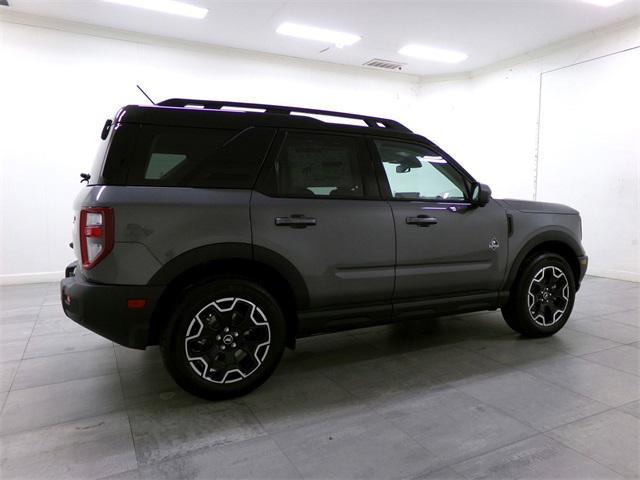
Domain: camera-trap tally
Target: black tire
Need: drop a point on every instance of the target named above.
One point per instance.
(237, 321)
(542, 297)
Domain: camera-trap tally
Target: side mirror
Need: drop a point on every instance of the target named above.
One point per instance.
(481, 194)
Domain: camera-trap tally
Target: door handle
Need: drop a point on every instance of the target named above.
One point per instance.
(295, 221)
(421, 220)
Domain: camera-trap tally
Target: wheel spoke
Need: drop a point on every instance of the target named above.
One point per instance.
(199, 345)
(227, 340)
(547, 297)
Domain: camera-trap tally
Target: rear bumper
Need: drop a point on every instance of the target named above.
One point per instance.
(105, 309)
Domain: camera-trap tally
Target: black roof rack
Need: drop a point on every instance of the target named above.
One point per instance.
(373, 122)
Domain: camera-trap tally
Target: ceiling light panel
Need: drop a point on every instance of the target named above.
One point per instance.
(165, 6)
(431, 53)
(339, 39)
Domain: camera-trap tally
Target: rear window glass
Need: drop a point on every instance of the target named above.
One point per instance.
(187, 157)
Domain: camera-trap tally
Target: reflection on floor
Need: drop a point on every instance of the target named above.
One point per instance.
(456, 397)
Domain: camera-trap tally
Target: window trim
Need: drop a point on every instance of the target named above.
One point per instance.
(266, 183)
(383, 181)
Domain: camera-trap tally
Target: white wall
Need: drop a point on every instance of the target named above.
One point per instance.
(589, 155)
(60, 82)
(58, 87)
(489, 121)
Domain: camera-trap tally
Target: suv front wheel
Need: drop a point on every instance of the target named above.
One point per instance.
(542, 297)
(224, 339)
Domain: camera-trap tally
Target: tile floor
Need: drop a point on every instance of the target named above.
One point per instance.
(457, 397)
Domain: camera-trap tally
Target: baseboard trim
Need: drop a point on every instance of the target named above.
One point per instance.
(615, 274)
(25, 278)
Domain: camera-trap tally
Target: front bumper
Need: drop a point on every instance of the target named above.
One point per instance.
(110, 310)
(583, 262)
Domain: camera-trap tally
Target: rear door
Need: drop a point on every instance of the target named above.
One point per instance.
(446, 246)
(317, 205)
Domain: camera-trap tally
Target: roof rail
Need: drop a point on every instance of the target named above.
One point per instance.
(374, 122)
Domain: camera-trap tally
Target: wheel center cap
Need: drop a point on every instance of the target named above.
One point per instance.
(227, 339)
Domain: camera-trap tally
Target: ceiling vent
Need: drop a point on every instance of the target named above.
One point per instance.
(4, 3)
(384, 64)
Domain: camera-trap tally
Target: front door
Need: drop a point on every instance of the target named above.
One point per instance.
(446, 246)
(318, 206)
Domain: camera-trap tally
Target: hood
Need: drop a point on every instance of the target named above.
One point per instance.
(529, 206)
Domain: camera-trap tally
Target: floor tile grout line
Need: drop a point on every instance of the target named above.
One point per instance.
(608, 410)
(571, 327)
(126, 406)
(609, 366)
(510, 366)
(106, 347)
(62, 381)
(526, 423)
(24, 351)
(627, 405)
(280, 449)
(488, 452)
(521, 369)
(449, 385)
(595, 316)
(611, 469)
(618, 345)
(557, 384)
(536, 431)
(561, 351)
(66, 381)
(65, 422)
(540, 434)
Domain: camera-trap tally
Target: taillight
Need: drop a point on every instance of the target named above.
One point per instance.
(96, 235)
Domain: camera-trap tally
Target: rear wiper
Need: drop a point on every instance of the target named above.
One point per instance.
(85, 177)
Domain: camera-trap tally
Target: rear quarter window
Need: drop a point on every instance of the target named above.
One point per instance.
(210, 158)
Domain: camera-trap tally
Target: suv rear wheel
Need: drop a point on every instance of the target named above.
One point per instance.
(224, 339)
(542, 297)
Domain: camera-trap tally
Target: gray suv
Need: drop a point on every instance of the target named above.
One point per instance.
(223, 231)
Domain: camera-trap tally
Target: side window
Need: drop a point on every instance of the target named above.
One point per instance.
(211, 158)
(317, 165)
(416, 172)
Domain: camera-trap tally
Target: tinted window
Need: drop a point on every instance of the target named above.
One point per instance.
(315, 165)
(214, 158)
(161, 164)
(414, 171)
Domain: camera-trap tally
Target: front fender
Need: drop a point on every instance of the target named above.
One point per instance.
(557, 235)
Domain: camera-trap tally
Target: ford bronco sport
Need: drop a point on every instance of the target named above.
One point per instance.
(223, 231)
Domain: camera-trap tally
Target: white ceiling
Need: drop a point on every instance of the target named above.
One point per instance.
(488, 31)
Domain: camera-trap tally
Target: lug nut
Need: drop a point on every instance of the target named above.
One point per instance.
(233, 345)
(218, 337)
(223, 347)
(235, 334)
(226, 329)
